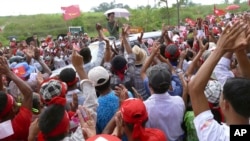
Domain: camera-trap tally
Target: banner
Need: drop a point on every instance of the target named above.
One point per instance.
(134, 30)
(71, 12)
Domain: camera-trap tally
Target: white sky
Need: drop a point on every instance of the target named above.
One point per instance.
(30, 7)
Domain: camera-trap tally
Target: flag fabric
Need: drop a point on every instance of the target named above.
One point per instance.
(218, 12)
(20, 71)
(71, 12)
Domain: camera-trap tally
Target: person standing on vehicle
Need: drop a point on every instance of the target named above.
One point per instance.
(113, 26)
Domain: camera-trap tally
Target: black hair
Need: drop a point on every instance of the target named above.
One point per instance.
(86, 54)
(67, 75)
(237, 92)
(3, 100)
(190, 42)
(110, 14)
(162, 50)
(161, 88)
(189, 55)
(49, 119)
(104, 86)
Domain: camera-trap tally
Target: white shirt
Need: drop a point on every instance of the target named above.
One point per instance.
(209, 129)
(165, 112)
(59, 62)
(222, 70)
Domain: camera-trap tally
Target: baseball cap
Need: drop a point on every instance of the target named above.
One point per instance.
(133, 110)
(213, 91)
(159, 76)
(103, 137)
(152, 134)
(22, 69)
(99, 75)
(140, 55)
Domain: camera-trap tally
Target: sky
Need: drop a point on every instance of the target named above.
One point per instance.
(31, 7)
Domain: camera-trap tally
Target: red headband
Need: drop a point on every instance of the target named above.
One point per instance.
(72, 82)
(9, 105)
(120, 73)
(217, 109)
(175, 56)
(62, 126)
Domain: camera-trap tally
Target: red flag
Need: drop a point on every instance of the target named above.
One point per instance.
(71, 12)
(218, 12)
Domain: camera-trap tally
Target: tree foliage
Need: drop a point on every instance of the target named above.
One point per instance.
(106, 6)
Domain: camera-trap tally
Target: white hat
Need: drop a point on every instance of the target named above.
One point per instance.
(97, 74)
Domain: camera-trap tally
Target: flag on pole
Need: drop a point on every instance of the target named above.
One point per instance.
(71, 12)
(218, 12)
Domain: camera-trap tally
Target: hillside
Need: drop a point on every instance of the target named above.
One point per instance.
(148, 18)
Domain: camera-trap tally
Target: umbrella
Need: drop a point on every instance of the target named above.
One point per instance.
(233, 7)
(119, 12)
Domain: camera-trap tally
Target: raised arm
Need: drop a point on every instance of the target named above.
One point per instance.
(227, 42)
(193, 66)
(147, 64)
(23, 86)
(77, 62)
(127, 46)
(244, 63)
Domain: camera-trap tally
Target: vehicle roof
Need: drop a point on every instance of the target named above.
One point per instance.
(94, 47)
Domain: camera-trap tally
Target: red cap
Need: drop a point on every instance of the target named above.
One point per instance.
(103, 137)
(152, 134)
(133, 111)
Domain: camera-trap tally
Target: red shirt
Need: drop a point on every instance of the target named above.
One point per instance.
(20, 123)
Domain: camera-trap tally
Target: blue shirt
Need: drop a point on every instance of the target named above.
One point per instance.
(108, 106)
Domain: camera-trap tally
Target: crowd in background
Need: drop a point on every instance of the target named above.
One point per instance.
(189, 84)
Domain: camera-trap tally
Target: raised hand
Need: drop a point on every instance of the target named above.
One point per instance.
(202, 46)
(231, 40)
(87, 122)
(98, 27)
(122, 92)
(77, 60)
(4, 67)
(139, 38)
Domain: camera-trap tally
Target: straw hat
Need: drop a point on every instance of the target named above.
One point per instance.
(140, 55)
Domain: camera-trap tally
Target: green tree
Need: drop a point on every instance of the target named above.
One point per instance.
(166, 3)
(106, 6)
(226, 1)
(236, 1)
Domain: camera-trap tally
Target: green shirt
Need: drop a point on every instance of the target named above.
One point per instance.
(113, 30)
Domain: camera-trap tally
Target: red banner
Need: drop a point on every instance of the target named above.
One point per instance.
(71, 12)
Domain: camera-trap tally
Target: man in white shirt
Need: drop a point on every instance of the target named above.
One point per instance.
(235, 99)
(165, 112)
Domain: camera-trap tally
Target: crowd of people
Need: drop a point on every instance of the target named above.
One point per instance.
(187, 85)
